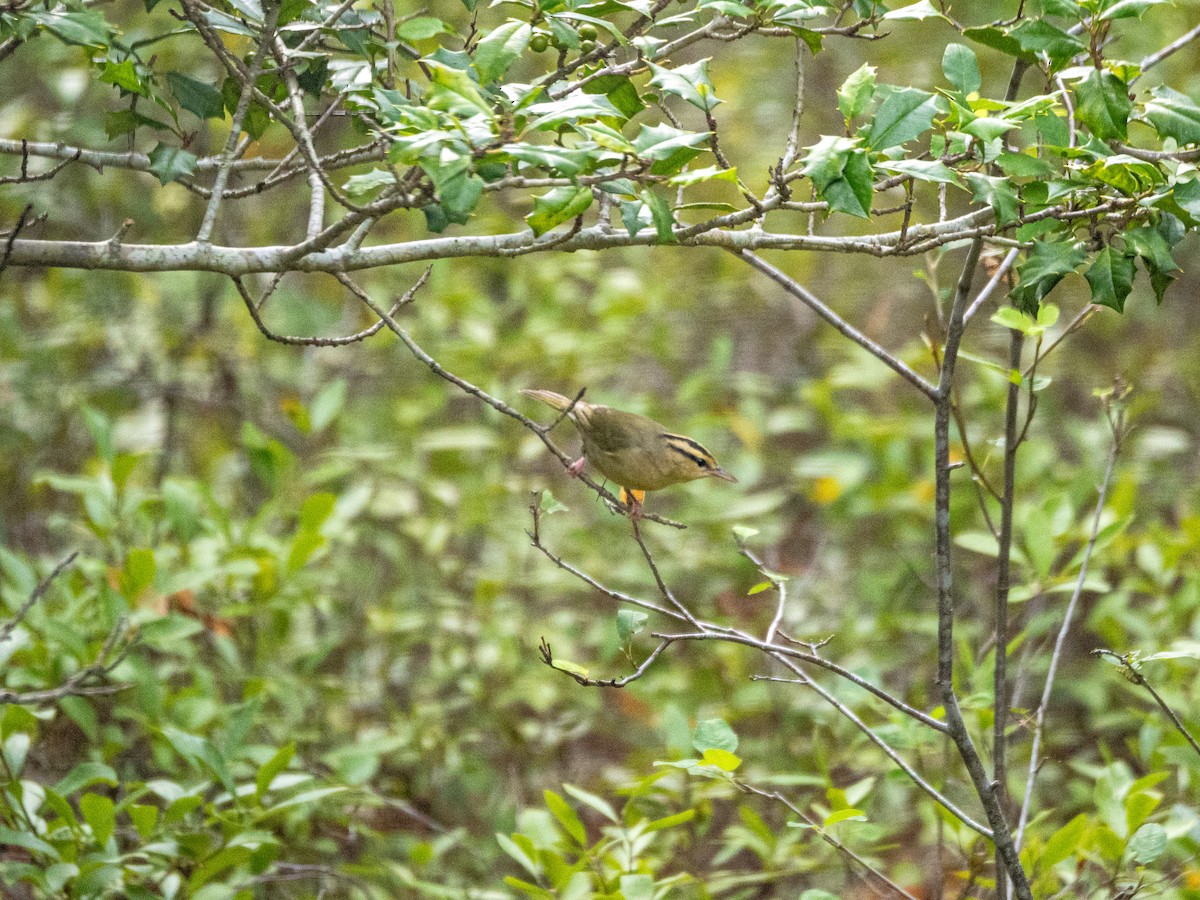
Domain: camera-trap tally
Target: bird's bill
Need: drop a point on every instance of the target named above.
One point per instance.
(718, 472)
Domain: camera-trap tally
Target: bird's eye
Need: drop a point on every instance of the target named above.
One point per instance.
(702, 463)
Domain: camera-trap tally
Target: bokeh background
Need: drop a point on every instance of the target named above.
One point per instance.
(327, 547)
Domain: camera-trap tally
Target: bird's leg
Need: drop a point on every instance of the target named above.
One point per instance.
(575, 469)
(633, 499)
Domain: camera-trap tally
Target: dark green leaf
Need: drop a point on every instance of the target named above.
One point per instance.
(1174, 115)
(661, 215)
(904, 115)
(1111, 278)
(842, 174)
(420, 28)
(1102, 104)
(997, 39)
(200, 99)
(620, 91)
(100, 813)
(1047, 265)
(171, 163)
(1037, 37)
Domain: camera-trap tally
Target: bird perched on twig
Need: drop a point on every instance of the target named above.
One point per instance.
(633, 451)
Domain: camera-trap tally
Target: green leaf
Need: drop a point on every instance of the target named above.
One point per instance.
(637, 887)
(200, 99)
(670, 148)
(998, 193)
(961, 68)
(272, 767)
(842, 174)
(1047, 265)
(1037, 37)
(84, 775)
(124, 75)
(1174, 115)
(454, 91)
(711, 173)
(856, 92)
(574, 108)
(904, 115)
(558, 206)
(671, 821)
(722, 759)
(368, 182)
(759, 588)
(923, 170)
(620, 92)
(144, 818)
(500, 49)
(83, 27)
(100, 813)
(1102, 104)
(1111, 278)
(689, 82)
(138, 572)
(420, 28)
(714, 734)
(845, 815)
(997, 39)
(171, 163)
(629, 623)
(922, 9)
(32, 843)
(1064, 842)
(599, 804)
(566, 816)
(1148, 843)
(660, 214)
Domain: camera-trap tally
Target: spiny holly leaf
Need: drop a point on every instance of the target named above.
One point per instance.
(202, 100)
(558, 206)
(856, 92)
(689, 82)
(904, 115)
(171, 163)
(1102, 103)
(1174, 115)
(1111, 278)
(842, 173)
(1047, 265)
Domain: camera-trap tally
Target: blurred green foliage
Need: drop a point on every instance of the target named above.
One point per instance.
(320, 556)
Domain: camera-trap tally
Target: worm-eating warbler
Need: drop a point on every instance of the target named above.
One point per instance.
(635, 452)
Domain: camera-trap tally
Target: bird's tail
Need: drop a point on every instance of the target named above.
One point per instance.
(551, 399)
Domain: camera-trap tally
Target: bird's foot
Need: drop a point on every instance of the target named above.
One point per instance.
(575, 469)
(633, 499)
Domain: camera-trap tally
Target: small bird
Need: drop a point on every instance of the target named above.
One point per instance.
(635, 452)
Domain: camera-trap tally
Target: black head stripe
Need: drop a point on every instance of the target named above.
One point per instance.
(689, 448)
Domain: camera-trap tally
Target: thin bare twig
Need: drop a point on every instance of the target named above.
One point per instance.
(1131, 668)
(1118, 433)
(34, 596)
(810, 300)
(868, 870)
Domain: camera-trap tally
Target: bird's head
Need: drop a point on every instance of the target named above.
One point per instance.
(692, 460)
